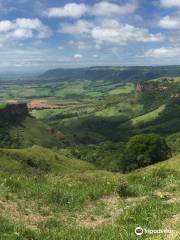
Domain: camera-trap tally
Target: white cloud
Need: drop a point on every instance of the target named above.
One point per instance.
(60, 47)
(170, 3)
(78, 56)
(169, 23)
(34, 24)
(80, 27)
(163, 52)
(6, 25)
(20, 33)
(73, 10)
(106, 8)
(22, 28)
(28, 23)
(109, 31)
(80, 44)
(103, 8)
(122, 34)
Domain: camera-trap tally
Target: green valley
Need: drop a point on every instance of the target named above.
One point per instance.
(90, 154)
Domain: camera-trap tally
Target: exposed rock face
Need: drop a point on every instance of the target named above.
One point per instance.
(142, 87)
(139, 88)
(13, 112)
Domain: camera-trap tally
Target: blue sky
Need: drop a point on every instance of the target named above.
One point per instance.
(38, 35)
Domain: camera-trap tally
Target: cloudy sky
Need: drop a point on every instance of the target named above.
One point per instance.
(46, 34)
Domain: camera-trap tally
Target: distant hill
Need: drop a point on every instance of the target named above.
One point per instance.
(132, 74)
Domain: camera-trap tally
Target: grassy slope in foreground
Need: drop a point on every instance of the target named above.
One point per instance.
(46, 195)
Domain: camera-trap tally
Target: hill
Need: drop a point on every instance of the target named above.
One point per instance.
(124, 74)
(47, 194)
(18, 129)
(36, 160)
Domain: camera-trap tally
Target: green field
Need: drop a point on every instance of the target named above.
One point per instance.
(123, 89)
(148, 117)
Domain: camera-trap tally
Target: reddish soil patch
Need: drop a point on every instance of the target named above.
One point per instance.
(43, 104)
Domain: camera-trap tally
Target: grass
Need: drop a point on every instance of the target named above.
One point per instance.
(73, 200)
(69, 89)
(39, 158)
(109, 112)
(118, 109)
(27, 132)
(148, 117)
(3, 105)
(174, 142)
(123, 89)
(47, 113)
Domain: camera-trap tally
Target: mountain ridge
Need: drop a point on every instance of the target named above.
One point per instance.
(130, 73)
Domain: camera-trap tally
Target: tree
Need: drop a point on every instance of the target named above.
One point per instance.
(143, 150)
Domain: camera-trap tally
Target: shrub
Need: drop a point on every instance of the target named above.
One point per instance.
(143, 150)
(37, 163)
(125, 190)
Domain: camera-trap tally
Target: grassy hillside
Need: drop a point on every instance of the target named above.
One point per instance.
(148, 117)
(27, 132)
(37, 160)
(48, 195)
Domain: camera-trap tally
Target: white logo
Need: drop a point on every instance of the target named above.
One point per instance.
(139, 231)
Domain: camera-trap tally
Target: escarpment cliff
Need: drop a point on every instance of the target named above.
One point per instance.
(13, 112)
(152, 86)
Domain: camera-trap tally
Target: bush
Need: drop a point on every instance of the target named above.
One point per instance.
(36, 163)
(143, 150)
(106, 155)
(124, 190)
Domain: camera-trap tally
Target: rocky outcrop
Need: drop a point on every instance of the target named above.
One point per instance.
(139, 88)
(151, 86)
(13, 112)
